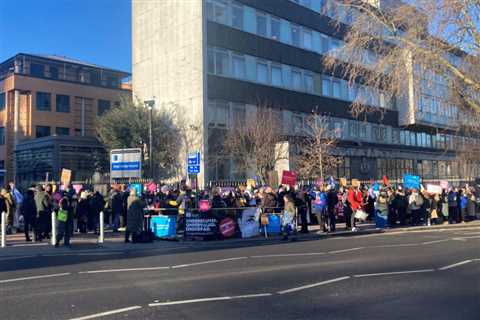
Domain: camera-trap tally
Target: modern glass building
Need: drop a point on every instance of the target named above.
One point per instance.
(219, 59)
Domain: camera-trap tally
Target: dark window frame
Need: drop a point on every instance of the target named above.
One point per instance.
(62, 131)
(38, 100)
(3, 100)
(2, 136)
(103, 106)
(60, 105)
(42, 135)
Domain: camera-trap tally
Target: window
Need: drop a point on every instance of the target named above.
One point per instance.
(326, 88)
(221, 62)
(220, 12)
(211, 60)
(238, 65)
(261, 24)
(44, 101)
(275, 28)
(336, 88)
(59, 131)
(262, 72)
(63, 103)
(2, 101)
(37, 70)
(307, 39)
(54, 72)
(2, 136)
(102, 106)
(296, 80)
(308, 78)
(277, 75)
(237, 16)
(295, 35)
(42, 131)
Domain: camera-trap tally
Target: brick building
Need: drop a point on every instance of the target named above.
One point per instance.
(43, 96)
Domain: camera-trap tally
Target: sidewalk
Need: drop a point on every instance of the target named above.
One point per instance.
(113, 244)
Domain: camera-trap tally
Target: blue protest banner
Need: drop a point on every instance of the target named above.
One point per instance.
(411, 181)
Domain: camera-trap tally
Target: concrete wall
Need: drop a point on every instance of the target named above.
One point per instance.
(168, 60)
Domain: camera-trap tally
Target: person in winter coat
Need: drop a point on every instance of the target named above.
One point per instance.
(415, 203)
(135, 213)
(302, 207)
(355, 200)
(332, 201)
(452, 206)
(319, 207)
(64, 219)
(435, 208)
(288, 216)
(10, 205)
(43, 202)
(471, 206)
(463, 206)
(83, 207)
(29, 212)
(116, 204)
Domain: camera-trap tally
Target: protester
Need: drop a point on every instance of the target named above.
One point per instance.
(288, 216)
(135, 213)
(64, 219)
(29, 213)
(10, 207)
(355, 201)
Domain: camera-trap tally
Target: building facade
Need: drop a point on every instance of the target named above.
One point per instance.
(42, 96)
(220, 59)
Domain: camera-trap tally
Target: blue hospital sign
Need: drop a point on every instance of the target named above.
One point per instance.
(126, 163)
(194, 163)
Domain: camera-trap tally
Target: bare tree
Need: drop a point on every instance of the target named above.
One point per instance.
(316, 154)
(468, 157)
(252, 142)
(390, 42)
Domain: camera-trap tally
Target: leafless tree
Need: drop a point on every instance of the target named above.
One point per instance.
(252, 142)
(317, 146)
(422, 41)
(468, 157)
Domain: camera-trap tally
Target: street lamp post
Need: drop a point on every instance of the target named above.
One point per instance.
(150, 104)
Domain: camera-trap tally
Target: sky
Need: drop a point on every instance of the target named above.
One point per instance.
(94, 31)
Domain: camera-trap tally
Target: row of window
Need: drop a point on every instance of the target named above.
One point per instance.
(44, 103)
(245, 67)
(68, 73)
(2, 101)
(45, 131)
(266, 25)
(224, 114)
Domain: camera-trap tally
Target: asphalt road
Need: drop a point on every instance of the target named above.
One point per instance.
(421, 275)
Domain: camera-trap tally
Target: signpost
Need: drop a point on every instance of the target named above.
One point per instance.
(193, 166)
(126, 163)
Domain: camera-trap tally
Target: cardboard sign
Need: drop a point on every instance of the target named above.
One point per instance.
(343, 182)
(355, 183)
(251, 183)
(444, 184)
(432, 188)
(289, 178)
(66, 177)
(411, 182)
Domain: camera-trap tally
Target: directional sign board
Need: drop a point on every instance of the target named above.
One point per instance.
(193, 163)
(126, 163)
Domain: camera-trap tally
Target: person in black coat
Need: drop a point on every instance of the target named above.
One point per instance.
(29, 213)
(332, 201)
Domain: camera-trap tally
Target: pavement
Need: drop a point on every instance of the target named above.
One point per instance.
(398, 274)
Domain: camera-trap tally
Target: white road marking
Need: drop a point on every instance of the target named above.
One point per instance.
(30, 244)
(454, 265)
(392, 273)
(171, 303)
(346, 250)
(206, 262)
(435, 241)
(313, 285)
(397, 245)
(124, 270)
(289, 255)
(459, 239)
(36, 277)
(107, 313)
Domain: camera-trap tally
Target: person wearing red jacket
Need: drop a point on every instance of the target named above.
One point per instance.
(355, 201)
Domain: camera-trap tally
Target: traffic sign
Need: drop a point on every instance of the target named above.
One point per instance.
(194, 159)
(193, 169)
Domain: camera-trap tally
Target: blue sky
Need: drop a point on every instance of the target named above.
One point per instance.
(95, 31)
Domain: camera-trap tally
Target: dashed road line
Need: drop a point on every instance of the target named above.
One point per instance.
(313, 285)
(346, 250)
(288, 255)
(107, 313)
(207, 262)
(454, 265)
(36, 277)
(392, 273)
(171, 303)
(124, 270)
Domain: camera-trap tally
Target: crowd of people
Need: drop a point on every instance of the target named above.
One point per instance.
(325, 205)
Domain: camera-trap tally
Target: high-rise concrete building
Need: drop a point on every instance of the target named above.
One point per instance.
(43, 96)
(217, 59)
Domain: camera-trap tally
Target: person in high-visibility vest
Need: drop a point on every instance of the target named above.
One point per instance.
(64, 218)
